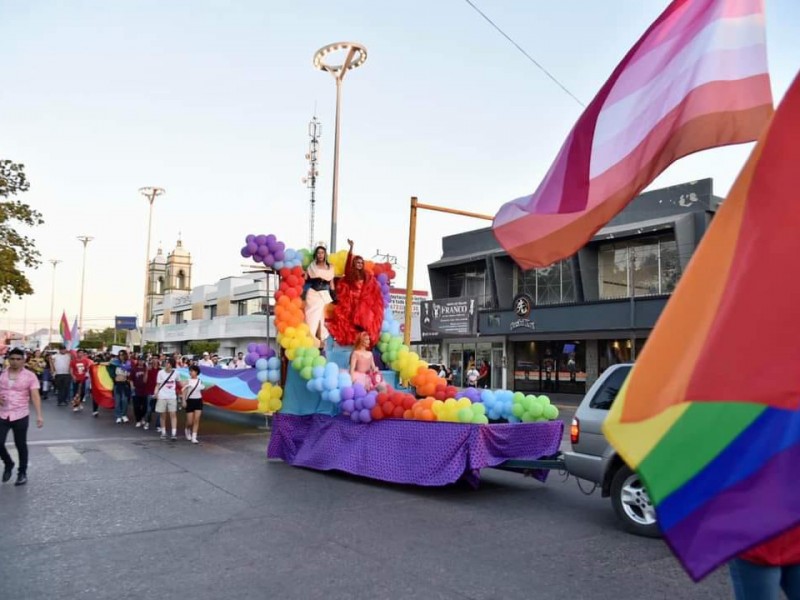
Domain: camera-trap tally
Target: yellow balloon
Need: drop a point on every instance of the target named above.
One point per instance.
(291, 353)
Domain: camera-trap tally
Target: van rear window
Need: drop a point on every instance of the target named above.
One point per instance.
(608, 393)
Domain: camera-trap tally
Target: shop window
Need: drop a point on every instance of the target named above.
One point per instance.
(549, 285)
(642, 267)
(550, 366)
(470, 281)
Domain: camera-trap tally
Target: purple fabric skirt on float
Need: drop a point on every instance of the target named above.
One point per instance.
(409, 452)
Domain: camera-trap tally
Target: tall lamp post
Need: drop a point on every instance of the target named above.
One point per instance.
(54, 262)
(151, 193)
(83, 239)
(355, 57)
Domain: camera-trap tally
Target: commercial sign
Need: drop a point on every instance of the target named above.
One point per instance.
(523, 305)
(397, 304)
(449, 318)
(124, 322)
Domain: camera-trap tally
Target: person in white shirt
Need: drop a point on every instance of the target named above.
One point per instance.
(238, 362)
(192, 393)
(205, 361)
(472, 376)
(167, 398)
(60, 365)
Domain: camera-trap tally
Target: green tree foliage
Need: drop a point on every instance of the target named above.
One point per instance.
(17, 251)
(200, 347)
(105, 337)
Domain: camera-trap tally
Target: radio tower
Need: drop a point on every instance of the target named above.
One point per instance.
(314, 132)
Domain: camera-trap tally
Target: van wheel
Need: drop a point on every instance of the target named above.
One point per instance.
(632, 504)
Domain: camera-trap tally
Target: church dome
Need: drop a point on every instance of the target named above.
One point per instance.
(159, 258)
(179, 250)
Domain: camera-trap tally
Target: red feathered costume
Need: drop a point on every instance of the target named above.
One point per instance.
(359, 306)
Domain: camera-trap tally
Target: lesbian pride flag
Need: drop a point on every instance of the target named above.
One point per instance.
(710, 415)
(697, 79)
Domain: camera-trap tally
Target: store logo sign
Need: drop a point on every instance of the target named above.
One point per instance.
(523, 305)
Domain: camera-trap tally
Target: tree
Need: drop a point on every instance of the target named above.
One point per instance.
(16, 250)
(107, 336)
(200, 347)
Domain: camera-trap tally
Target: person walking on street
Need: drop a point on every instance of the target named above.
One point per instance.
(167, 398)
(122, 385)
(151, 377)
(193, 400)
(139, 378)
(36, 363)
(206, 361)
(18, 388)
(60, 364)
(758, 574)
(79, 370)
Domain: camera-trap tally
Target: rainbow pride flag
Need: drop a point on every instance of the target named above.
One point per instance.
(710, 415)
(696, 79)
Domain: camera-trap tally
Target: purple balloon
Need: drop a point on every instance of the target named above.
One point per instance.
(358, 390)
(261, 240)
(250, 359)
(262, 349)
(270, 352)
(251, 347)
(272, 246)
(252, 247)
(278, 254)
(348, 405)
(262, 251)
(257, 258)
(246, 252)
(270, 239)
(269, 260)
(280, 246)
(359, 403)
(250, 238)
(365, 415)
(369, 400)
(348, 393)
(355, 416)
(383, 278)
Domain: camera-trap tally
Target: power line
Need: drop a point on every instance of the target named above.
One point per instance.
(528, 56)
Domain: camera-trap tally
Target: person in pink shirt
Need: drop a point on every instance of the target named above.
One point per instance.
(18, 388)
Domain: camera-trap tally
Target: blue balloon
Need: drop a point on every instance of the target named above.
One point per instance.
(262, 376)
(261, 364)
(278, 265)
(319, 386)
(331, 383)
(310, 385)
(273, 376)
(335, 396)
(273, 362)
(318, 372)
(331, 369)
(344, 380)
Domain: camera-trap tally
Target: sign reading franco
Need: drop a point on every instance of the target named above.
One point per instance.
(125, 323)
(449, 317)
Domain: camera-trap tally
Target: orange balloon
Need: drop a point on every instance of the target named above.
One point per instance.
(427, 415)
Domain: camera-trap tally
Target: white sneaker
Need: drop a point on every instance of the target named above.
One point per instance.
(124, 419)
(146, 426)
(75, 409)
(188, 433)
(163, 435)
(118, 421)
(195, 440)
(138, 424)
(160, 430)
(95, 413)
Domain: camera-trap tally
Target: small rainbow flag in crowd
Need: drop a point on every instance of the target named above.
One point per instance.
(710, 415)
(696, 79)
(64, 329)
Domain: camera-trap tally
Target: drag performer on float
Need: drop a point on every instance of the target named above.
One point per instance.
(359, 304)
(320, 285)
(363, 369)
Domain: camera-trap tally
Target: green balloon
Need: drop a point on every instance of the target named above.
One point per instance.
(535, 410)
(479, 409)
(484, 420)
(383, 346)
(305, 373)
(550, 412)
(518, 396)
(544, 400)
(297, 363)
(386, 336)
(312, 352)
(308, 361)
(528, 418)
(319, 361)
(395, 343)
(464, 415)
(517, 409)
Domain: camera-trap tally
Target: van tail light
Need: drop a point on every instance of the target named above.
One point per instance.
(575, 431)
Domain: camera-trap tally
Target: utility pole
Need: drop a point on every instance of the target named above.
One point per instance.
(151, 193)
(54, 262)
(84, 239)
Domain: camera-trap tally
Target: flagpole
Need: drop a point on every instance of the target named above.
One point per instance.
(54, 262)
(84, 239)
(150, 193)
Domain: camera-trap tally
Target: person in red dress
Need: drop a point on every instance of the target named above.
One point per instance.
(759, 573)
(359, 303)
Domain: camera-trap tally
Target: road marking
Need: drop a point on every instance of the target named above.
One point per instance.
(118, 451)
(66, 455)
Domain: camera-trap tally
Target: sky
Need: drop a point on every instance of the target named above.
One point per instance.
(211, 100)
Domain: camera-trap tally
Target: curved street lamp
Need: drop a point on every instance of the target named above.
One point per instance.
(356, 55)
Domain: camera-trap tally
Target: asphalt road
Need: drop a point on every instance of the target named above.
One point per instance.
(113, 512)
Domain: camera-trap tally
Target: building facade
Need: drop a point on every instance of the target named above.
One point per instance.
(555, 329)
(167, 275)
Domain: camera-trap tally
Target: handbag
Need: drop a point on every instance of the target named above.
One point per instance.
(375, 378)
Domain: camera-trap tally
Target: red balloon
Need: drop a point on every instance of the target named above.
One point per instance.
(408, 402)
(440, 395)
(292, 292)
(398, 411)
(451, 391)
(387, 408)
(377, 413)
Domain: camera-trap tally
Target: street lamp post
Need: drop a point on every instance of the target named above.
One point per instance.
(54, 262)
(84, 239)
(355, 57)
(151, 193)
